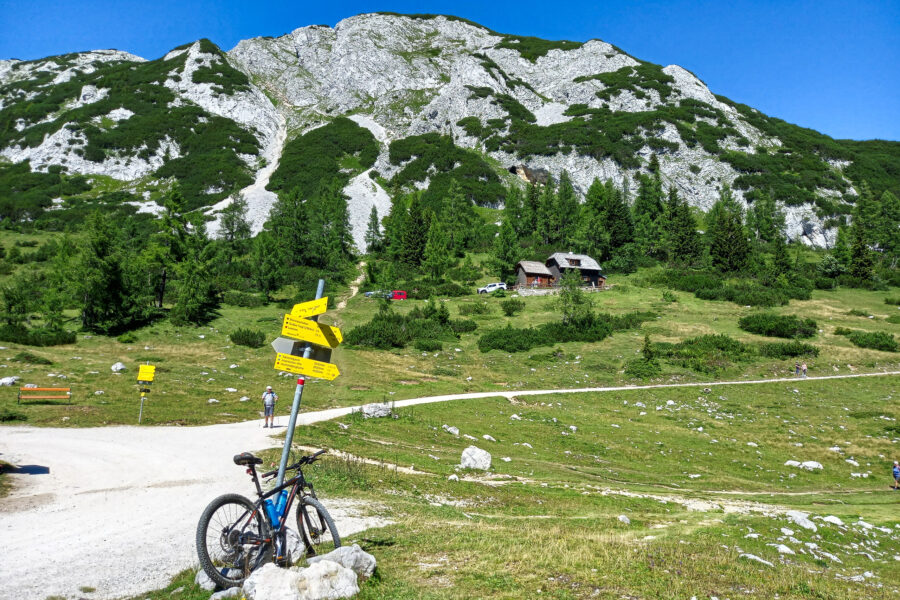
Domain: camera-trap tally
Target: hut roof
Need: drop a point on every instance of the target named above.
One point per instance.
(533, 267)
(586, 262)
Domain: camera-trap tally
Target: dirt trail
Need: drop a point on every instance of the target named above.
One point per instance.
(116, 507)
(354, 287)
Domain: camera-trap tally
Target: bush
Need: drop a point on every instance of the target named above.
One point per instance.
(498, 294)
(463, 325)
(843, 331)
(478, 308)
(127, 338)
(788, 350)
(668, 296)
(20, 334)
(875, 340)
(243, 299)
(388, 329)
(512, 306)
(892, 301)
(894, 319)
(855, 312)
(783, 326)
(248, 337)
(825, 283)
(7, 415)
(641, 368)
(592, 328)
(426, 345)
(33, 359)
(705, 354)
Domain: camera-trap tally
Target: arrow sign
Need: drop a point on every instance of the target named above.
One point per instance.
(305, 366)
(283, 345)
(310, 309)
(310, 331)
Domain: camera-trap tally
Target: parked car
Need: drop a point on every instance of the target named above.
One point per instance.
(492, 287)
(390, 295)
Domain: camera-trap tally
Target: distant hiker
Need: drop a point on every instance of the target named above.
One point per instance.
(896, 485)
(796, 369)
(269, 398)
(803, 368)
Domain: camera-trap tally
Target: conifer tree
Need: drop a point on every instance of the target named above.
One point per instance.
(414, 235)
(566, 211)
(841, 250)
(265, 258)
(235, 230)
(459, 219)
(168, 246)
(547, 222)
(646, 213)
(616, 217)
(863, 233)
(781, 262)
(437, 255)
(764, 218)
(394, 226)
(593, 237)
(197, 297)
(888, 232)
(530, 204)
(506, 249)
(288, 225)
(729, 250)
(513, 208)
(373, 232)
(101, 282)
(682, 242)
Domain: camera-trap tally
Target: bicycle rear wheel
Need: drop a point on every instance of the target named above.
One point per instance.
(231, 538)
(316, 527)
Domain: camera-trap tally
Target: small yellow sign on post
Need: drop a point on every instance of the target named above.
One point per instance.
(310, 309)
(146, 372)
(306, 366)
(311, 331)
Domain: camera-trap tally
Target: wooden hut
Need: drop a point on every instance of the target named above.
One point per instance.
(531, 273)
(588, 268)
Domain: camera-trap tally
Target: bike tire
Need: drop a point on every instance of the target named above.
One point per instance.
(229, 565)
(316, 526)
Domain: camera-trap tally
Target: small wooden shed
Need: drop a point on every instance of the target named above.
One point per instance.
(587, 267)
(531, 273)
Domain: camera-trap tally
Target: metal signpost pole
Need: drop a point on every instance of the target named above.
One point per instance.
(295, 408)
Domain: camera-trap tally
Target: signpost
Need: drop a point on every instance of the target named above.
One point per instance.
(144, 377)
(305, 349)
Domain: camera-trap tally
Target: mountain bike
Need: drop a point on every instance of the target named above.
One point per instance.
(236, 536)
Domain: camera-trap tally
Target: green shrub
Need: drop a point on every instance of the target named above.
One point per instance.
(705, 354)
(7, 415)
(248, 337)
(591, 328)
(36, 337)
(892, 301)
(668, 296)
(236, 298)
(843, 331)
(788, 349)
(476, 308)
(894, 319)
(875, 340)
(127, 338)
(784, 326)
(512, 306)
(426, 345)
(463, 325)
(33, 359)
(388, 329)
(825, 283)
(641, 368)
(855, 312)
(498, 294)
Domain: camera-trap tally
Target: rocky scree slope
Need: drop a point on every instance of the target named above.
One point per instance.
(433, 98)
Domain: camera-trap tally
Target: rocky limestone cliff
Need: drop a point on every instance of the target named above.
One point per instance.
(401, 76)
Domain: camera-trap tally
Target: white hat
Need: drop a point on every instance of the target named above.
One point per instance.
(268, 387)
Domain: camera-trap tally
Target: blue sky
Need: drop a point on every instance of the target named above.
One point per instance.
(832, 66)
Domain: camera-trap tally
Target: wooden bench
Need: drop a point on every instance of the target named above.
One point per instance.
(60, 394)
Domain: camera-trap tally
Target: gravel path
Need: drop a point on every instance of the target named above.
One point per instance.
(115, 508)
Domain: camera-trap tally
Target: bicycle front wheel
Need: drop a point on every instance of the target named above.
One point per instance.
(316, 527)
(231, 538)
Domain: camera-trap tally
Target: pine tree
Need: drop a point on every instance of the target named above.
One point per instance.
(506, 249)
(513, 209)
(781, 262)
(729, 250)
(863, 233)
(414, 235)
(197, 298)
(566, 211)
(394, 225)
(765, 219)
(646, 214)
(841, 250)
(373, 233)
(547, 222)
(459, 219)
(888, 232)
(235, 228)
(593, 237)
(530, 210)
(861, 261)
(288, 225)
(265, 259)
(167, 247)
(101, 281)
(616, 217)
(682, 241)
(437, 250)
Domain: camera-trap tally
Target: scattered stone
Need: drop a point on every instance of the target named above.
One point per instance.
(212, 401)
(203, 580)
(787, 531)
(343, 425)
(351, 557)
(475, 458)
(833, 520)
(271, 583)
(244, 399)
(9, 380)
(801, 519)
(811, 465)
(99, 393)
(230, 389)
(527, 445)
(782, 549)
(488, 438)
(453, 477)
(573, 428)
(234, 592)
(376, 410)
(324, 580)
(670, 403)
(851, 462)
(294, 544)
(233, 366)
(836, 449)
(752, 536)
(624, 519)
(755, 558)
(753, 444)
(201, 336)
(118, 367)
(450, 430)
(515, 417)
(506, 459)
(470, 437)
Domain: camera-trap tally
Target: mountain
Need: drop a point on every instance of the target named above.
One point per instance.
(383, 102)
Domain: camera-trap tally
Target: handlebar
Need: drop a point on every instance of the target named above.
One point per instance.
(306, 460)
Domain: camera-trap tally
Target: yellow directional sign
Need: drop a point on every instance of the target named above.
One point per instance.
(311, 308)
(146, 372)
(310, 331)
(305, 366)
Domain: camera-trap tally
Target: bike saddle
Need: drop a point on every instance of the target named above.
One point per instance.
(246, 458)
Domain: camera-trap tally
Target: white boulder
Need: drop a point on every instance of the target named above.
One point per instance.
(11, 380)
(833, 520)
(376, 410)
(118, 367)
(474, 457)
(450, 429)
(234, 592)
(624, 519)
(325, 580)
(352, 557)
(755, 558)
(203, 580)
(801, 519)
(811, 465)
(782, 549)
(488, 438)
(270, 582)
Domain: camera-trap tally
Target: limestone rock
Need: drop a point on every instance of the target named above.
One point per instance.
(375, 410)
(203, 580)
(352, 557)
(11, 380)
(475, 458)
(326, 580)
(118, 367)
(270, 582)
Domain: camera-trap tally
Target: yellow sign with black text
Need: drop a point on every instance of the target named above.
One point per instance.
(146, 372)
(310, 309)
(305, 366)
(310, 331)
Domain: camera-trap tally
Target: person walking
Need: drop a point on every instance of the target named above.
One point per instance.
(796, 369)
(896, 485)
(803, 369)
(269, 398)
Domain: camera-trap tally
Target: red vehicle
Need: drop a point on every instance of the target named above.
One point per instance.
(398, 295)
